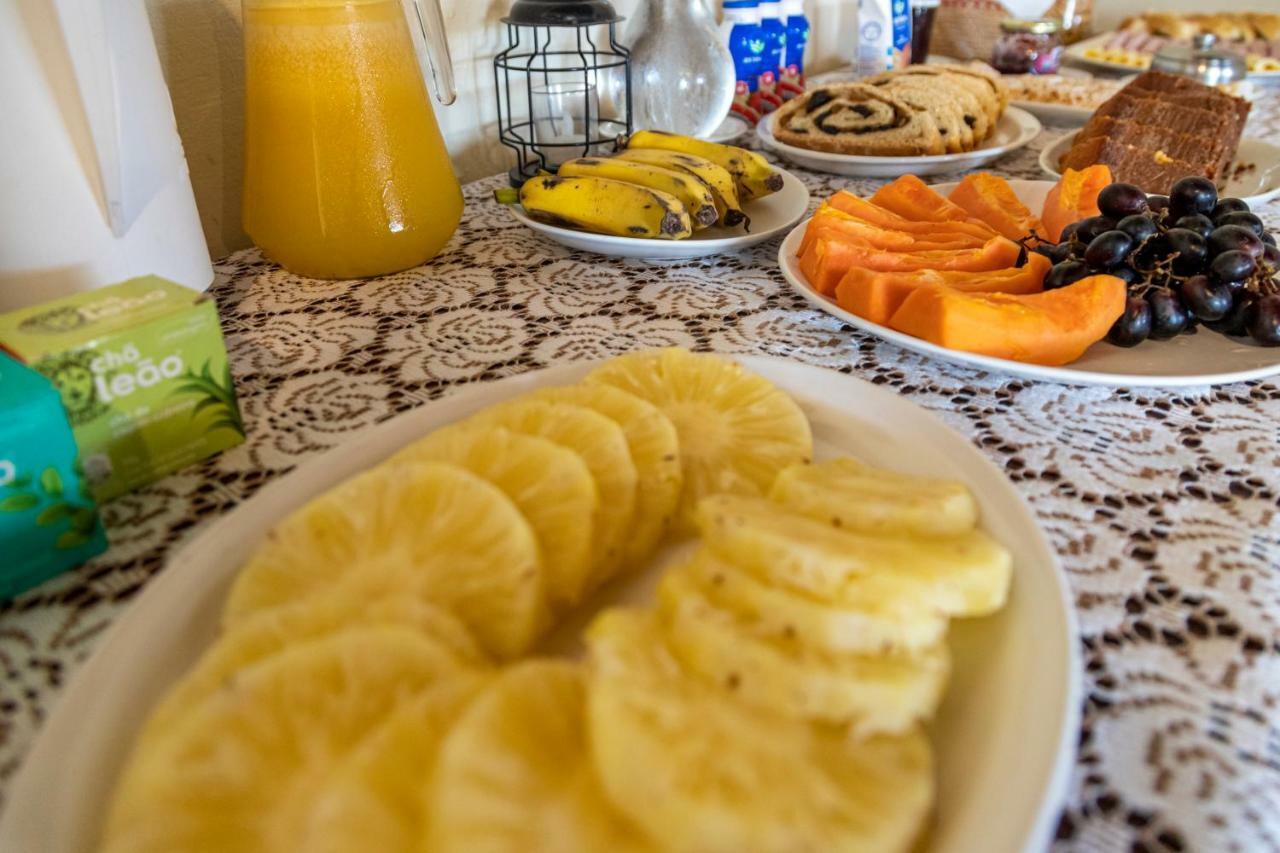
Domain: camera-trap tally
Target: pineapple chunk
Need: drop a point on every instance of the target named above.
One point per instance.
(701, 771)
(965, 575)
(859, 498)
(875, 694)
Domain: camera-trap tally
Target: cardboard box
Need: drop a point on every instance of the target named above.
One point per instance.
(143, 375)
(48, 520)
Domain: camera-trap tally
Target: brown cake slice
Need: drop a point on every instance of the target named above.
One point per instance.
(1151, 83)
(1189, 147)
(1168, 113)
(1153, 171)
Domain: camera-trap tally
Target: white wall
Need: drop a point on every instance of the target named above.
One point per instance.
(199, 43)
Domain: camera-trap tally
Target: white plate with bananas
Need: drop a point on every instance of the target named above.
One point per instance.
(664, 197)
(361, 706)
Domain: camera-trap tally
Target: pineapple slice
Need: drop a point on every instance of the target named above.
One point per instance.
(248, 769)
(603, 447)
(875, 694)
(278, 629)
(378, 801)
(701, 771)
(515, 774)
(428, 530)
(784, 614)
(965, 575)
(736, 430)
(550, 485)
(852, 496)
(655, 450)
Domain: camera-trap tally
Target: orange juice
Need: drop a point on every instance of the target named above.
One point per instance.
(346, 172)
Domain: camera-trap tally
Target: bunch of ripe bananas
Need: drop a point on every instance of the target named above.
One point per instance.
(659, 186)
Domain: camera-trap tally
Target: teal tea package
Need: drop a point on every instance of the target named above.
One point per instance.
(48, 521)
(143, 375)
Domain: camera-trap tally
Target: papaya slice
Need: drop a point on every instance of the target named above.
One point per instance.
(828, 259)
(877, 296)
(1052, 328)
(990, 198)
(833, 223)
(1073, 197)
(874, 214)
(911, 198)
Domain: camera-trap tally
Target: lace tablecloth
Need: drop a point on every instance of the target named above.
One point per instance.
(1163, 506)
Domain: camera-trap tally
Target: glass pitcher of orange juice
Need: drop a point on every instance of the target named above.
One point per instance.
(346, 172)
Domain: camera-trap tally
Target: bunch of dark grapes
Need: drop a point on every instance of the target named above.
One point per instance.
(1188, 258)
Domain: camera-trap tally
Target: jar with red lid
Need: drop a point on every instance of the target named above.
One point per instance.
(1028, 47)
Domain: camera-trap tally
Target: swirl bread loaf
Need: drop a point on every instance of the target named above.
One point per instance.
(851, 118)
(915, 111)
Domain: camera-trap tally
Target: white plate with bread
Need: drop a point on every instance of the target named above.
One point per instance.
(1015, 129)
(920, 120)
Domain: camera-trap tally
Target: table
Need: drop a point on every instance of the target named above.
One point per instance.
(1164, 507)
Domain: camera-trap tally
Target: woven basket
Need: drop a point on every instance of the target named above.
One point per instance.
(969, 29)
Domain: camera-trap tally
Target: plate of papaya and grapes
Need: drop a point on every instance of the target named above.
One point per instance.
(661, 196)
(1084, 281)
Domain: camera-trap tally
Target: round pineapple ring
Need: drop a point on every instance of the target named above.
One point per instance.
(655, 450)
(428, 530)
(515, 772)
(736, 430)
(603, 447)
(278, 629)
(248, 763)
(873, 694)
(698, 770)
(785, 614)
(550, 485)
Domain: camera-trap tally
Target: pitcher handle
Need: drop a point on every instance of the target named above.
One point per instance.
(431, 21)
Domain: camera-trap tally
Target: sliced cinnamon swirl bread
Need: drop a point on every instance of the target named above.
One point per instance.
(962, 119)
(852, 118)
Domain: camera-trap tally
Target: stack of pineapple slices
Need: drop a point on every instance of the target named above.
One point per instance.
(771, 700)
(660, 186)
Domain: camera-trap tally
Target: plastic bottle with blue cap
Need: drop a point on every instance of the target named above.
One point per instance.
(740, 28)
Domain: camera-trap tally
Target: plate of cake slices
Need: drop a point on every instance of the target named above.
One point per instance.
(921, 120)
(1162, 127)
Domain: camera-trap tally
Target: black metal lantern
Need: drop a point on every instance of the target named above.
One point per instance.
(553, 69)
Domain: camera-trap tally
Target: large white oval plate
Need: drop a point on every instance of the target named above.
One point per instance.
(770, 216)
(1204, 358)
(1256, 186)
(1016, 128)
(1006, 733)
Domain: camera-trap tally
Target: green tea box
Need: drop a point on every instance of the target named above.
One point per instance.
(143, 375)
(48, 521)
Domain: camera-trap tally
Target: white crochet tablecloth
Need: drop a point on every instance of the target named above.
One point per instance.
(1163, 506)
